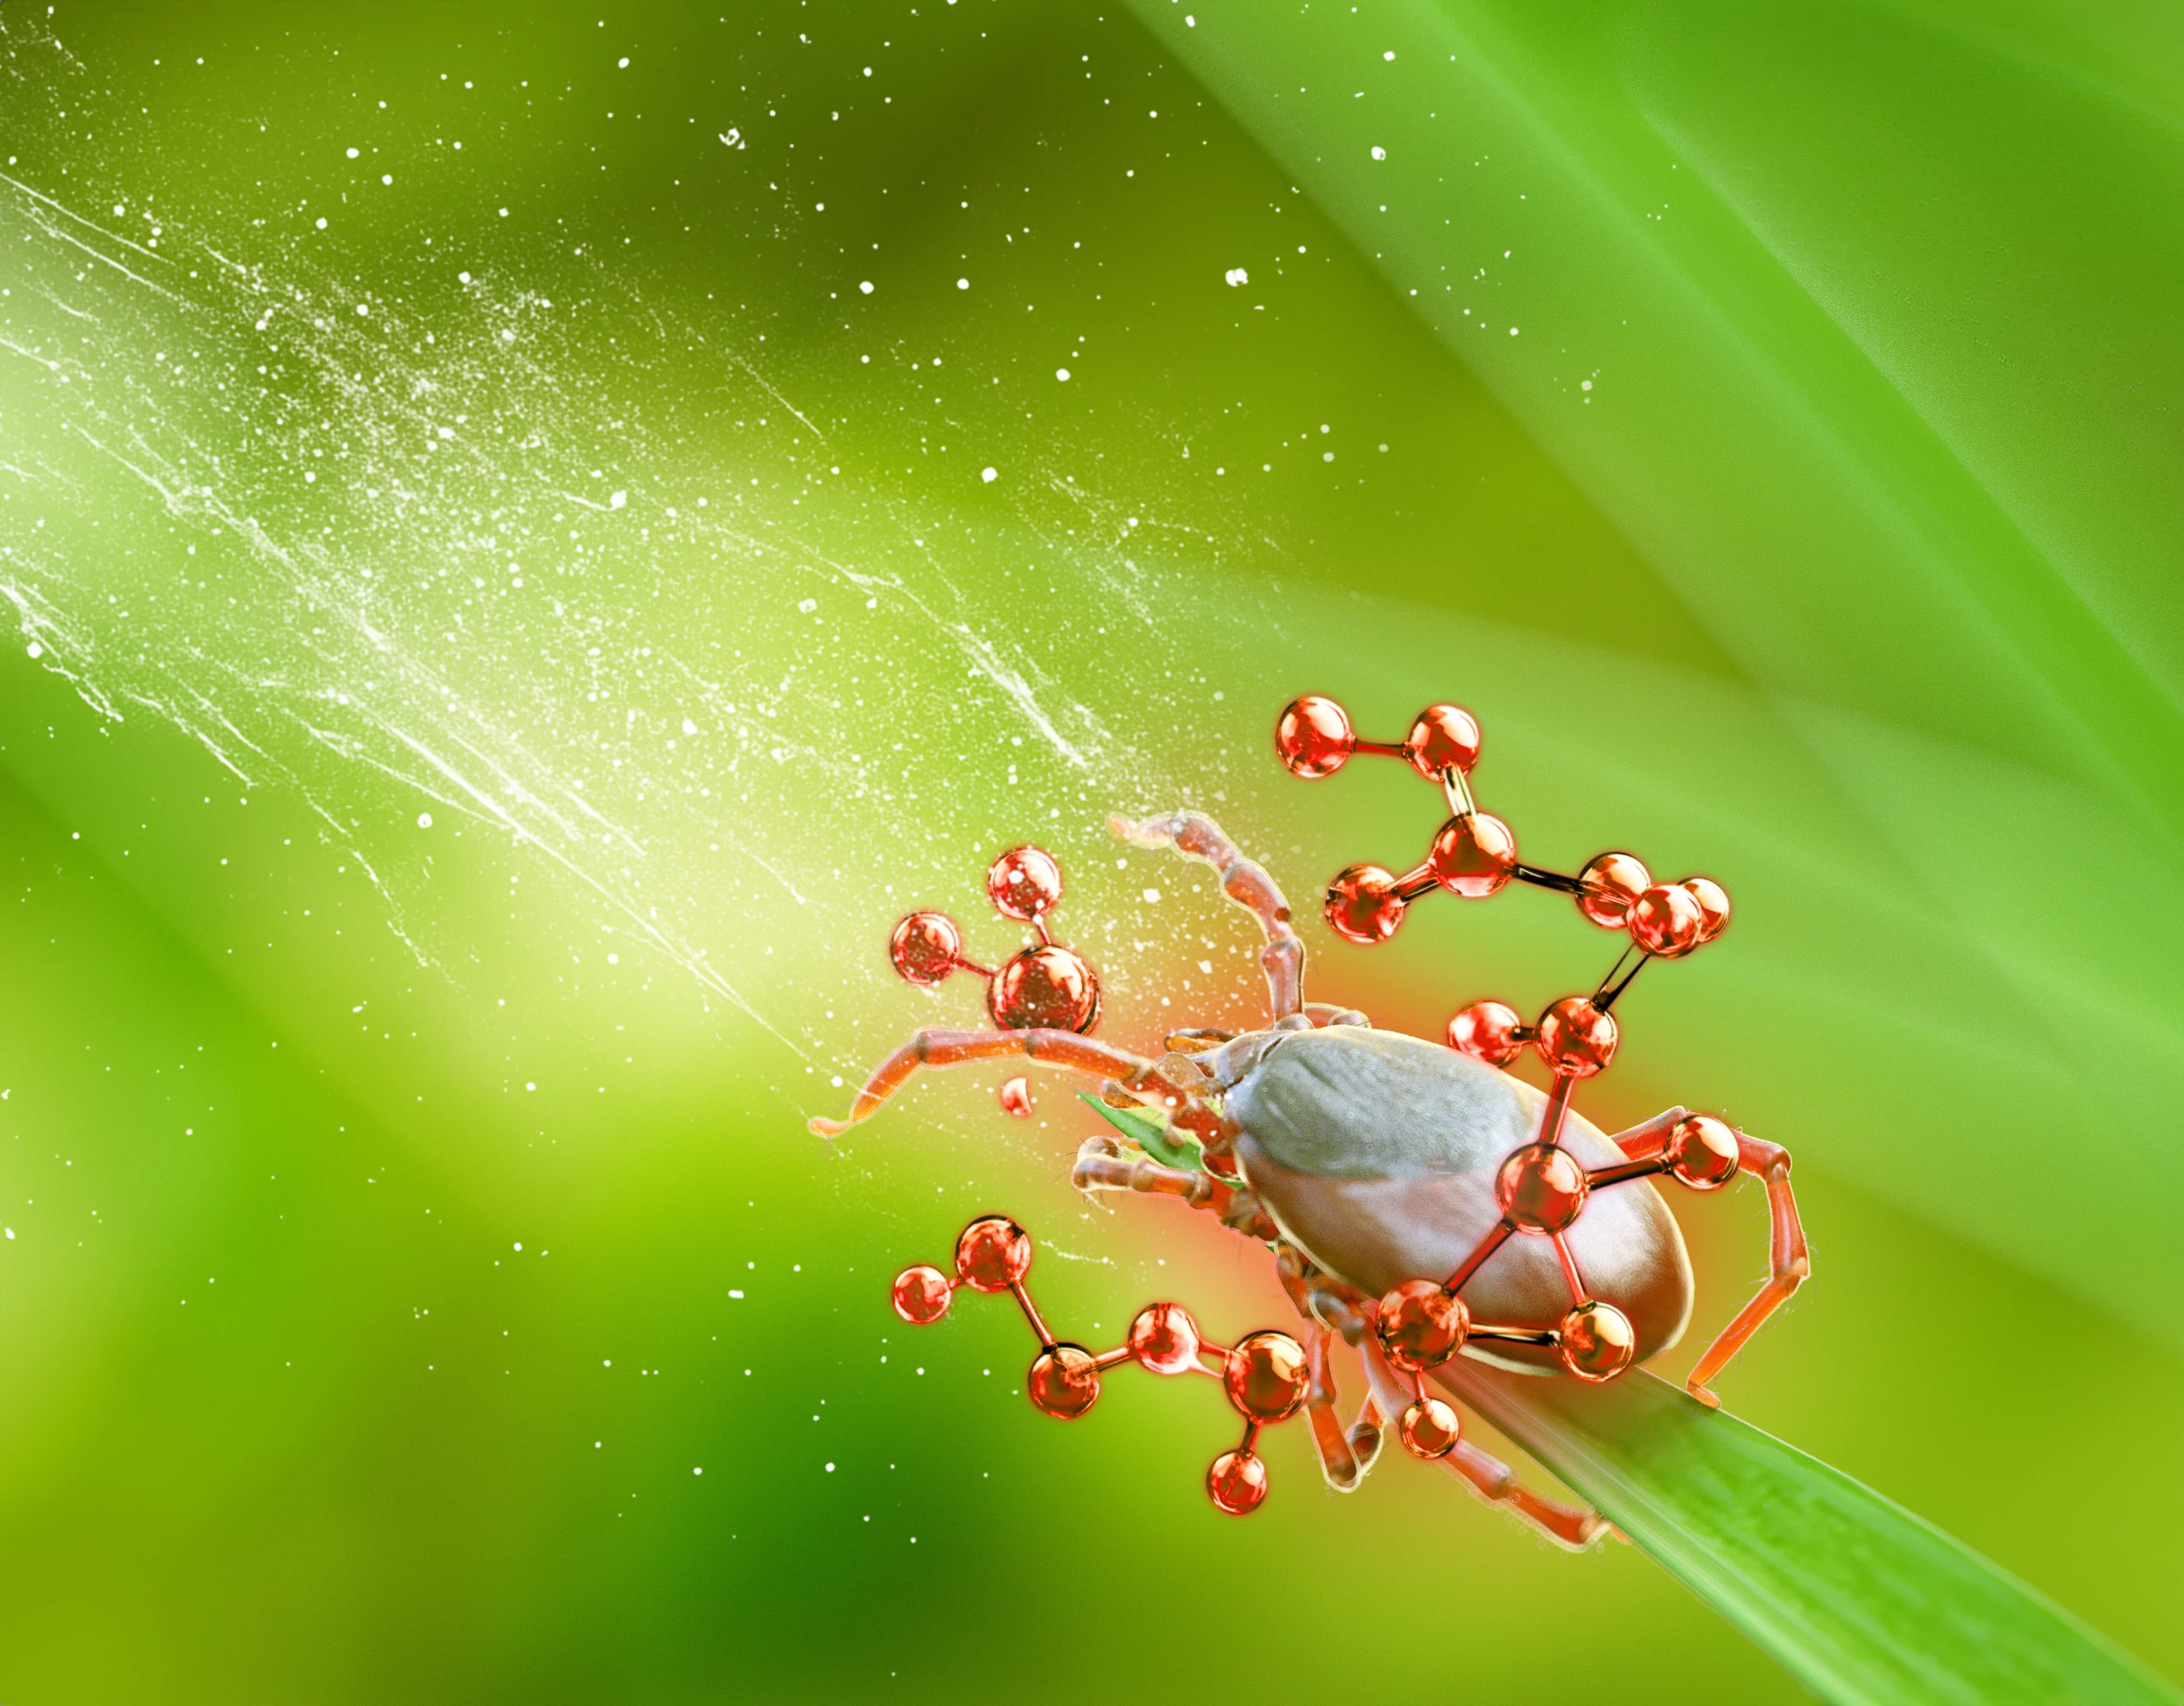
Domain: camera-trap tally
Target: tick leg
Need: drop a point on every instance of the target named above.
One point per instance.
(1325, 1012)
(1064, 1049)
(1789, 1260)
(1574, 1526)
(1346, 1456)
(1196, 836)
(1643, 1142)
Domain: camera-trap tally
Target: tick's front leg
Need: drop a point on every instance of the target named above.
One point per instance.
(1789, 1260)
(1346, 1456)
(1063, 1048)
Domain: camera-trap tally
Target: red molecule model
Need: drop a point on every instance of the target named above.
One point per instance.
(1186, 1113)
(1266, 1374)
(1041, 986)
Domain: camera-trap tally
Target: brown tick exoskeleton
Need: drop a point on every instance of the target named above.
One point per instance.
(1420, 1203)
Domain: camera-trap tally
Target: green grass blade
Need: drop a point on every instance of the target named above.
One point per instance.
(1855, 1596)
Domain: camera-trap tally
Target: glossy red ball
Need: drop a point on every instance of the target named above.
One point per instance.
(1713, 905)
(1312, 736)
(1063, 1382)
(925, 947)
(1541, 1188)
(993, 1254)
(1667, 920)
(922, 1295)
(1419, 1324)
(1266, 1376)
(1702, 1153)
(1576, 1038)
(1475, 856)
(1165, 1338)
(1236, 1483)
(1487, 1031)
(1044, 988)
(1596, 1341)
(1443, 738)
(1024, 883)
(1362, 904)
(1430, 1429)
(1611, 882)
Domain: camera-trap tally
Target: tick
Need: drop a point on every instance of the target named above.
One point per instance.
(1420, 1201)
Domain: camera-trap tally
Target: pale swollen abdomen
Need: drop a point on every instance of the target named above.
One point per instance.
(1376, 1153)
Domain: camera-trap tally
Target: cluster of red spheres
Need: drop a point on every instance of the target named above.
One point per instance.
(1044, 986)
(1474, 854)
(1265, 1374)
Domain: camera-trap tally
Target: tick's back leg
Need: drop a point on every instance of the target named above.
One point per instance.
(1196, 836)
(1064, 1049)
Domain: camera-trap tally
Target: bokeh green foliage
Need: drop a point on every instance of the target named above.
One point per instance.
(1848, 586)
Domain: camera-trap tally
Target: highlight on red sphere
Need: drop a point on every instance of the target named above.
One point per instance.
(1016, 1096)
(1610, 882)
(1362, 904)
(1487, 1031)
(1236, 1483)
(1475, 856)
(1044, 988)
(1312, 736)
(1596, 1341)
(1713, 905)
(1541, 1188)
(1024, 883)
(1063, 1381)
(1576, 1038)
(1420, 1325)
(922, 1295)
(1165, 1338)
(1430, 1429)
(1266, 1376)
(1443, 738)
(1667, 920)
(925, 947)
(993, 1254)
(1702, 1153)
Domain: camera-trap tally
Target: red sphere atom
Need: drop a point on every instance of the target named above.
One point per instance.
(1576, 1038)
(1024, 883)
(1044, 988)
(1541, 1188)
(1596, 1341)
(925, 947)
(1237, 1482)
(1165, 1338)
(993, 1254)
(1487, 1031)
(1063, 1382)
(1702, 1153)
(1419, 1324)
(1713, 903)
(1611, 881)
(1667, 920)
(1015, 1095)
(1266, 1376)
(1473, 856)
(1312, 736)
(1443, 738)
(922, 1295)
(1362, 904)
(1430, 1429)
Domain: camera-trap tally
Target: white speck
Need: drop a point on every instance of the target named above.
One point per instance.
(830, 1469)
(504, 212)
(35, 651)
(1584, 384)
(1152, 895)
(1513, 331)
(1237, 275)
(424, 820)
(988, 475)
(322, 225)
(530, 1086)
(1062, 373)
(865, 285)
(697, 1471)
(962, 284)
(353, 154)
(618, 500)
(688, 727)
(1189, 22)
(738, 1296)
(463, 276)
(1379, 153)
(1387, 55)
(731, 137)
(309, 478)
(363, 308)
(518, 1246)
(623, 65)
(1327, 456)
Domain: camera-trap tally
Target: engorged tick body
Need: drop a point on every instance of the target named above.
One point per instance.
(1421, 1202)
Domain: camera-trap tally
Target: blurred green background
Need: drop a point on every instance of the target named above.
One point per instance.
(536, 533)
